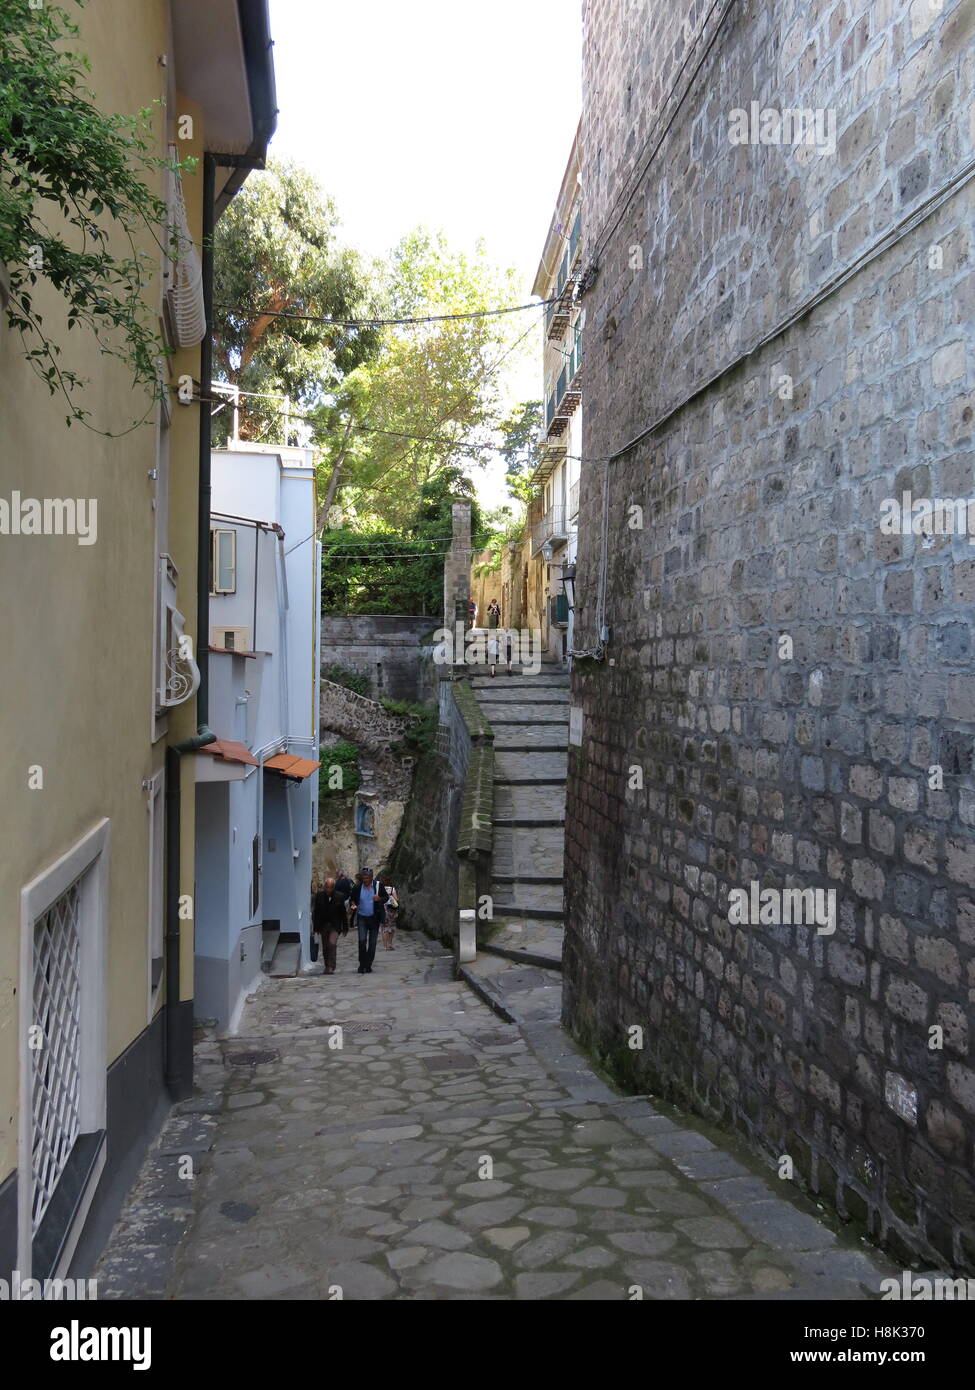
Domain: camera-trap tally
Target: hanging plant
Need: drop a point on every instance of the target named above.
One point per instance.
(66, 162)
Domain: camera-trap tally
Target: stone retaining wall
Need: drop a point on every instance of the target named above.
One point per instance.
(790, 698)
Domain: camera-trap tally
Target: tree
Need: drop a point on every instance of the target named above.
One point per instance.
(67, 161)
(427, 401)
(521, 435)
(279, 268)
(384, 570)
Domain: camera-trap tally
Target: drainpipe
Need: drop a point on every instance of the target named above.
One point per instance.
(203, 496)
(179, 1019)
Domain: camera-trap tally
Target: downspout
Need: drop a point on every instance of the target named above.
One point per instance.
(255, 29)
(203, 496)
(179, 1041)
(179, 1023)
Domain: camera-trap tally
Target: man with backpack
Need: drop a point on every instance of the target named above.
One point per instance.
(368, 901)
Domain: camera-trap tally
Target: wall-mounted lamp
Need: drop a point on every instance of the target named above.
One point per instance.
(569, 584)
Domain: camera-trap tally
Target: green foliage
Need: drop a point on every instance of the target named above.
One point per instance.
(421, 733)
(502, 527)
(521, 435)
(71, 191)
(386, 570)
(351, 680)
(343, 755)
(276, 249)
(426, 402)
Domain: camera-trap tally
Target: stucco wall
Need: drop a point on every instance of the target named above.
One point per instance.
(77, 624)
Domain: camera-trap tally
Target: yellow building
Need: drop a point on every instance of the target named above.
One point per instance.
(102, 696)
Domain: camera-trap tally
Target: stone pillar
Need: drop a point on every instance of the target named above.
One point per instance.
(457, 570)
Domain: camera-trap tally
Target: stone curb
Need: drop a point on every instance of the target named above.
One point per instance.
(489, 996)
(524, 956)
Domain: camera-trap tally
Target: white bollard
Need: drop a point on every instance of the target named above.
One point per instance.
(467, 937)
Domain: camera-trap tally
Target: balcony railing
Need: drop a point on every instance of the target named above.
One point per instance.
(553, 529)
(575, 239)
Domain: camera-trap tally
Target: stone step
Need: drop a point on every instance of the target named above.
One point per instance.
(552, 914)
(524, 955)
(287, 959)
(555, 879)
(522, 898)
(520, 716)
(526, 738)
(490, 692)
(537, 851)
(529, 823)
(269, 944)
(529, 804)
(535, 765)
(530, 781)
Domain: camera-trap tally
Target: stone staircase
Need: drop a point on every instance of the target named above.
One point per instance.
(530, 718)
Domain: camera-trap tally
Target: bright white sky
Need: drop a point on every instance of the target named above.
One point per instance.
(455, 114)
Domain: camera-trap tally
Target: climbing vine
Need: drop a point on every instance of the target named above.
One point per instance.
(71, 186)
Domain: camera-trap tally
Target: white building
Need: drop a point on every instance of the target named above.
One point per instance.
(257, 787)
(553, 517)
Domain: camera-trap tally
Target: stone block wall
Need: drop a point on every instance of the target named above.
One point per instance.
(387, 649)
(786, 334)
(436, 857)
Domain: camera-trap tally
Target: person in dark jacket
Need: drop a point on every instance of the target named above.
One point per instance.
(330, 920)
(368, 899)
(344, 885)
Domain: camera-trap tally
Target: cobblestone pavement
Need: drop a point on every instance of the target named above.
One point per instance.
(440, 1153)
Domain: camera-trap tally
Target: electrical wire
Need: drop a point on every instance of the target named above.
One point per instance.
(249, 316)
(634, 182)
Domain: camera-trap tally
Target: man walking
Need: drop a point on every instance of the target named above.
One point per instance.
(368, 899)
(329, 919)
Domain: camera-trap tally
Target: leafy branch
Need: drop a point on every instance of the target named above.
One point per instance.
(66, 160)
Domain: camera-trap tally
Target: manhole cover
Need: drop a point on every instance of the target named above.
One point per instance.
(451, 1061)
(251, 1059)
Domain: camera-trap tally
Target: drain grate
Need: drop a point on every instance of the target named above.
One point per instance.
(352, 1027)
(251, 1059)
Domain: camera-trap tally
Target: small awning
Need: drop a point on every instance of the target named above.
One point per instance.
(291, 766)
(229, 751)
(229, 651)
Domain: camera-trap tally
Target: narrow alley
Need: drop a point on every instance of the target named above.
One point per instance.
(440, 1153)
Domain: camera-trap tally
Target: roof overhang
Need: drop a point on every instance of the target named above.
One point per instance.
(224, 61)
(226, 760)
(555, 241)
(290, 765)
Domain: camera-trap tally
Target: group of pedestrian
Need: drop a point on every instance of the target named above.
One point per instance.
(365, 903)
(499, 643)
